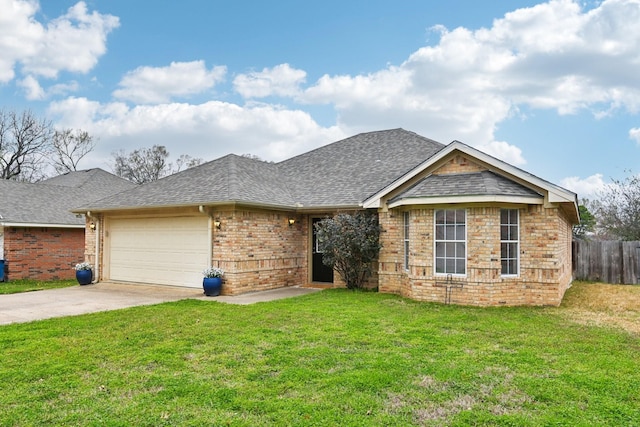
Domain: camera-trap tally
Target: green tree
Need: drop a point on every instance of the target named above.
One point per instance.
(350, 244)
(587, 221)
(619, 208)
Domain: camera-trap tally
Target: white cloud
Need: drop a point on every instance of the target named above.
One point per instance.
(62, 88)
(73, 42)
(281, 80)
(588, 187)
(19, 35)
(33, 91)
(504, 151)
(207, 130)
(554, 55)
(32, 88)
(154, 85)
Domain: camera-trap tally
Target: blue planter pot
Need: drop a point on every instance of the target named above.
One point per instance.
(84, 276)
(212, 286)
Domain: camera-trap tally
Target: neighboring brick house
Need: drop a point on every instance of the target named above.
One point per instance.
(458, 225)
(40, 238)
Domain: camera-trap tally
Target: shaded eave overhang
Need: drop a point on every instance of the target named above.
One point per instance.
(555, 194)
(298, 208)
(463, 199)
(39, 225)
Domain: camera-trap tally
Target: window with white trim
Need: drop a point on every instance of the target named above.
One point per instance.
(405, 217)
(509, 241)
(451, 241)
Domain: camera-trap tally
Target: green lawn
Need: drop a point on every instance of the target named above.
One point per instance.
(332, 358)
(17, 286)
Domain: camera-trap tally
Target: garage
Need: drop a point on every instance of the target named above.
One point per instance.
(159, 250)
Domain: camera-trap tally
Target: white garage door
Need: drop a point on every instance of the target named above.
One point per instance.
(163, 251)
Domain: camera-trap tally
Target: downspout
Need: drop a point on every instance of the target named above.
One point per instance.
(97, 231)
(210, 231)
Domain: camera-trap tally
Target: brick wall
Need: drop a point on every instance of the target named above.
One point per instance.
(565, 255)
(42, 253)
(259, 250)
(545, 258)
(90, 244)
(458, 164)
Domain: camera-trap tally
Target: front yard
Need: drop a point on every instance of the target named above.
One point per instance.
(332, 358)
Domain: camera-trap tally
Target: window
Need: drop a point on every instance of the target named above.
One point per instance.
(406, 239)
(509, 241)
(451, 241)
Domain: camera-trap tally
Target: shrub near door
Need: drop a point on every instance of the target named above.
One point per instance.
(212, 282)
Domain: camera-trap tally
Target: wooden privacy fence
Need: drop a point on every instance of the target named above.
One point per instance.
(607, 261)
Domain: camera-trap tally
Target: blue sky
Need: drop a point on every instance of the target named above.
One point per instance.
(552, 87)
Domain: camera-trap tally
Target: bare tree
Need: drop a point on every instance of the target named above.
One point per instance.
(185, 161)
(619, 209)
(69, 147)
(25, 142)
(148, 164)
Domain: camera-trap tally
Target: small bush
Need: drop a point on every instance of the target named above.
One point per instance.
(350, 243)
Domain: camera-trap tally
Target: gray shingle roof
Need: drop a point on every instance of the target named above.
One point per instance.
(348, 171)
(343, 173)
(50, 202)
(22, 202)
(468, 184)
(96, 182)
(230, 178)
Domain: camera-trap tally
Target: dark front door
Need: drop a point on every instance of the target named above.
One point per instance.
(319, 271)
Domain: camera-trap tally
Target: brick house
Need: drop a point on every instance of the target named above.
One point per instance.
(39, 236)
(458, 225)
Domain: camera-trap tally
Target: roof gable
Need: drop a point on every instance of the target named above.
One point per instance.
(477, 186)
(458, 163)
(551, 192)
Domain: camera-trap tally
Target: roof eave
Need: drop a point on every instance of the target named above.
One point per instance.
(187, 205)
(39, 225)
(464, 199)
(326, 208)
(237, 203)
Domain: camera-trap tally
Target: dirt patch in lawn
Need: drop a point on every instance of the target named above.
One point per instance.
(604, 305)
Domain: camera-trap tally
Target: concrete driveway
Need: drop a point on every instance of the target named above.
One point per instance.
(29, 306)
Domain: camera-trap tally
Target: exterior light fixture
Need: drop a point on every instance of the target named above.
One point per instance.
(92, 225)
(217, 223)
(292, 221)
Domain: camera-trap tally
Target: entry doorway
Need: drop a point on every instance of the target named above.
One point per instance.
(319, 271)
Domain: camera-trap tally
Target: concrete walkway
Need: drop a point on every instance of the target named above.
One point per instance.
(29, 306)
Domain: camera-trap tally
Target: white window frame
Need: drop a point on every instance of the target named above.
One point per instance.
(445, 241)
(510, 240)
(405, 230)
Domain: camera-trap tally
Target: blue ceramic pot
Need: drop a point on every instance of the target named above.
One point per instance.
(84, 276)
(212, 286)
